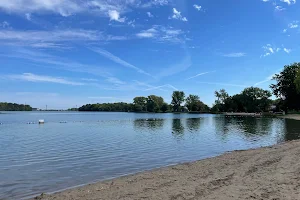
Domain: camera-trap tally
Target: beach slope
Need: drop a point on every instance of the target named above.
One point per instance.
(264, 173)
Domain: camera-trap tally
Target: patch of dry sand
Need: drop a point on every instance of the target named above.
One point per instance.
(265, 173)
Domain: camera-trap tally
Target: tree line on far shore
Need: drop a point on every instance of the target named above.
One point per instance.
(4, 106)
(153, 103)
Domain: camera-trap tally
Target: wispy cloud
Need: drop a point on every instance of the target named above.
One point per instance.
(289, 2)
(235, 55)
(50, 36)
(115, 81)
(269, 78)
(40, 78)
(149, 14)
(293, 24)
(269, 49)
(28, 16)
(149, 33)
(223, 84)
(149, 87)
(70, 7)
(284, 30)
(197, 7)
(118, 60)
(100, 97)
(177, 15)
(4, 24)
(200, 75)
(279, 8)
(287, 50)
(176, 68)
(162, 86)
(55, 62)
(163, 34)
(54, 38)
(47, 94)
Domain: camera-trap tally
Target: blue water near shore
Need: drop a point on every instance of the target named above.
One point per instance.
(96, 146)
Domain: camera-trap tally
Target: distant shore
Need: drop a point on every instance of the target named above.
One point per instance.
(264, 173)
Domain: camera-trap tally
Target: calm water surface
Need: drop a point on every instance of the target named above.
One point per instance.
(96, 146)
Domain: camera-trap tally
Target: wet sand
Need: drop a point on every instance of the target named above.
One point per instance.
(264, 173)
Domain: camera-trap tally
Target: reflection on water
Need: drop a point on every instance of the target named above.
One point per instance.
(193, 124)
(149, 124)
(292, 129)
(97, 146)
(177, 128)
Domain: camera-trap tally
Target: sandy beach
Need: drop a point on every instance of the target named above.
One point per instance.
(264, 173)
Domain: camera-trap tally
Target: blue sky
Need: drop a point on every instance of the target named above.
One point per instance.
(65, 53)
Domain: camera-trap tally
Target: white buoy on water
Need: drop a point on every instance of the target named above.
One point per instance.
(41, 121)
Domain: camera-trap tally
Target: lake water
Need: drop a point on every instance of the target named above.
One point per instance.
(96, 146)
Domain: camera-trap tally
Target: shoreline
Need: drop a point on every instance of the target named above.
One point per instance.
(291, 116)
(264, 173)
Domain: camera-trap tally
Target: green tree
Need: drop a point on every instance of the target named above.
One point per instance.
(297, 81)
(164, 107)
(255, 99)
(286, 86)
(191, 102)
(154, 103)
(177, 100)
(141, 101)
(221, 95)
(194, 104)
(4, 106)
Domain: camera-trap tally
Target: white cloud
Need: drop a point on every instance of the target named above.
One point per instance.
(28, 16)
(284, 30)
(149, 14)
(223, 84)
(265, 0)
(155, 3)
(62, 7)
(177, 15)
(38, 78)
(293, 24)
(200, 75)
(53, 39)
(131, 23)
(115, 81)
(287, 50)
(269, 49)
(162, 86)
(117, 60)
(50, 36)
(197, 7)
(69, 7)
(115, 16)
(289, 2)
(235, 55)
(279, 8)
(162, 34)
(149, 33)
(4, 24)
(54, 62)
(178, 67)
(269, 78)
